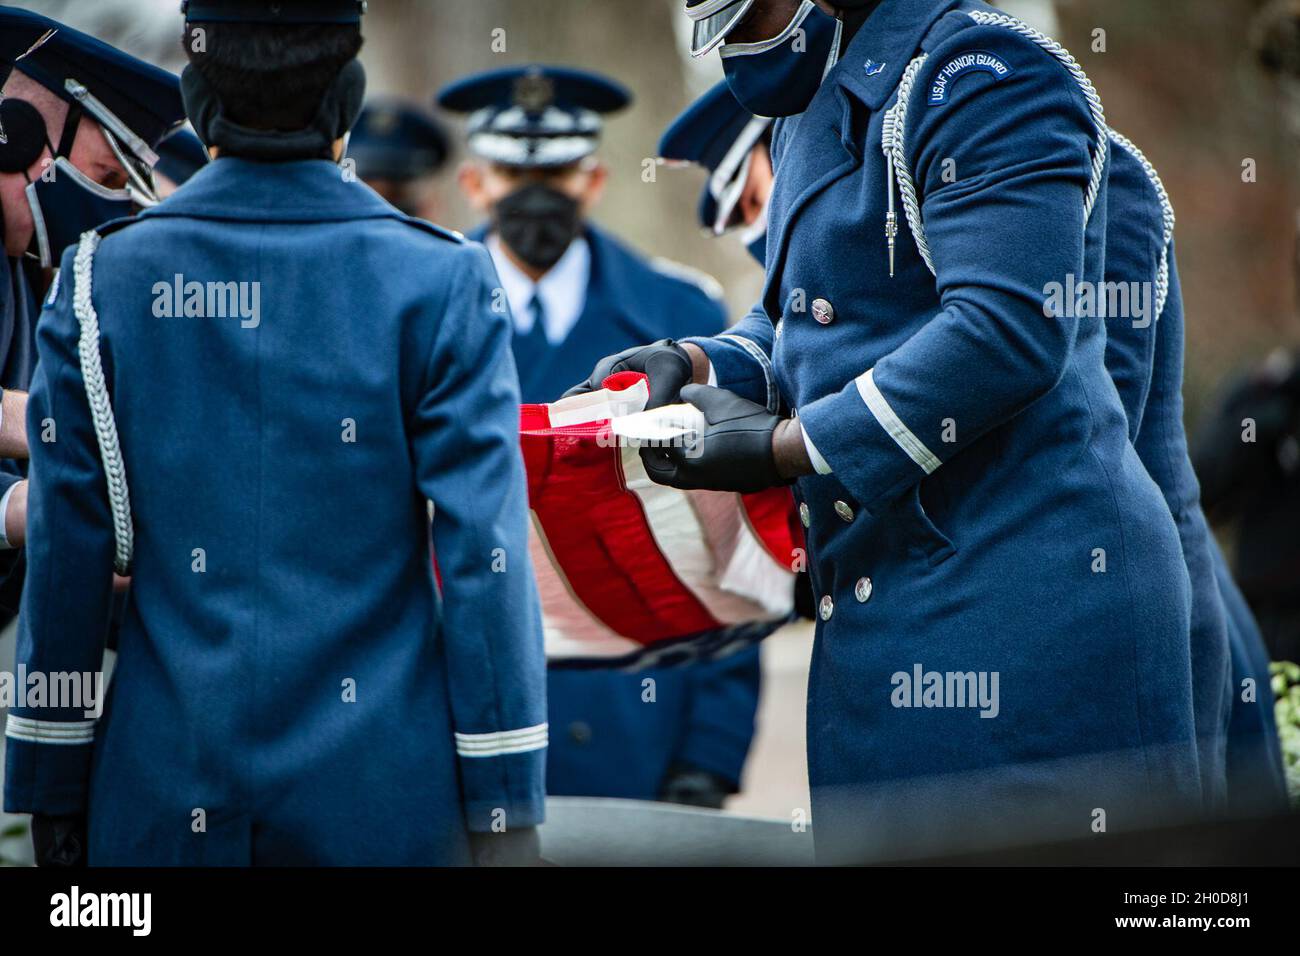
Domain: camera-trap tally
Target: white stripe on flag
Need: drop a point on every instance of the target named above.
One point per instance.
(692, 531)
(569, 629)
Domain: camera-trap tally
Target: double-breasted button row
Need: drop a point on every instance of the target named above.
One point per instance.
(862, 589)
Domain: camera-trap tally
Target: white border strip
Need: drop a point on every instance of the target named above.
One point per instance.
(891, 423)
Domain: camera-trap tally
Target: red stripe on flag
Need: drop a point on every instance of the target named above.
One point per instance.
(772, 515)
(601, 540)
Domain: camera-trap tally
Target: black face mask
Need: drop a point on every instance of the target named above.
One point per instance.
(537, 223)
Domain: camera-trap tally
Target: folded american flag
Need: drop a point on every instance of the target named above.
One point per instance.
(632, 573)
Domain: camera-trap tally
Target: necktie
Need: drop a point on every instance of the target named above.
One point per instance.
(532, 345)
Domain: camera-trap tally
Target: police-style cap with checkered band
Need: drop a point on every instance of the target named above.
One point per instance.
(716, 132)
(273, 11)
(534, 115)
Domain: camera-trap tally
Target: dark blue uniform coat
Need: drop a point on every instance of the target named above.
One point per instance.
(285, 664)
(986, 516)
(1240, 759)
(608, 740)
(19, 306)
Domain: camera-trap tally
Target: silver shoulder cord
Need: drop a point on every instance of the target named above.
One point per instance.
(895, 130)
(101, 411)
(1166, 214)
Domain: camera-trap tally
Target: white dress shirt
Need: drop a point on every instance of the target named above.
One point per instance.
(563, 290)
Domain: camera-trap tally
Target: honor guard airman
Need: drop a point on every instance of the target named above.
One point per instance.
(1002, 650)
(1237, 743)
(78, 123)
(398, 149)
(734, 146)
(259, 386)
(575, 293)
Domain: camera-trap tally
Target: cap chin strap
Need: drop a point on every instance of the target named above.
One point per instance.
(338, 112)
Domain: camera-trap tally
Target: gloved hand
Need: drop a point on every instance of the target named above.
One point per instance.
(665, 363)
(59, 841)
(734, 453)
(518, 847)
(693, 787)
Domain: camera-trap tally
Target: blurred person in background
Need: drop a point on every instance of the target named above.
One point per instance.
(733, 145)
(1247, 451)
(1237, 743)
(576, 293)
(398, 149)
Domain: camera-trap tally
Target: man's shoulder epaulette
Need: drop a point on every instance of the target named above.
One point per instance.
(684, 273)
(451, 235)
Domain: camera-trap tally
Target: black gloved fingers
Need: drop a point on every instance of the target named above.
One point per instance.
(720, 405)
(59, 841)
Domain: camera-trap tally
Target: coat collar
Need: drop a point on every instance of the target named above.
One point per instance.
(308, 190)
(873, 65)
(614, 271)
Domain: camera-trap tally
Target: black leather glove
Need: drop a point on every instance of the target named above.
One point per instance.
(693, 787)
(518, 847)
(665, 363)
(733, 454)
(59, 841)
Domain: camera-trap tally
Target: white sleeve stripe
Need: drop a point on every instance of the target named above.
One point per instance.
(493, 736)
(892, 424)
(759, 356)
(505, 749)
(820, 464)
(50, 731)
(500, 742)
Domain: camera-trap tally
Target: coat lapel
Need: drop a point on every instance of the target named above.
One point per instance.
(815, 152)
(824, 144)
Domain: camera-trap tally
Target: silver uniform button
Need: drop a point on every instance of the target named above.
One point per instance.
(826, 608)
(862, 590)
(843, 510)
(823, 312)
(804, 519)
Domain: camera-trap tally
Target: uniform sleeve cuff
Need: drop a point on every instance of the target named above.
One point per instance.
(739, 365)
(4, 513)
(820, 464)
(507, 790)
(869, 449)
